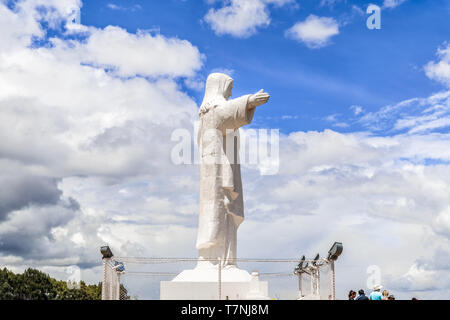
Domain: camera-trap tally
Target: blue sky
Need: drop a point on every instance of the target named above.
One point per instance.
(367, 68)
(88, 110)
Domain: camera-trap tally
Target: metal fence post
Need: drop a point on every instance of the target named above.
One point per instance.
(117, 288)
(318, 282)
(220, 278)
(333, 281)
(300, 291)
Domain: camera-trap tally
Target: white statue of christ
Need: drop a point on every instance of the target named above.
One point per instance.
(221, 199)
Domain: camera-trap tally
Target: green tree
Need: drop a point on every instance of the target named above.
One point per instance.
(36, 285)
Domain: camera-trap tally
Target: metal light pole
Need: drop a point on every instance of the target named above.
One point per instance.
(333, 281)
(106, 283)
(333, 254)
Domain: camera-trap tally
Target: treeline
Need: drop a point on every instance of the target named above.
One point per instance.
(36, 285)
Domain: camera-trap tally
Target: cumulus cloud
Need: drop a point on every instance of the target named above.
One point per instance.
(79, 107)
(440, 70)
(428, 275)
(27, 233)
(392, 3)
(442, 222)
(26, 190)
(241, 18)
(315, 32)
(352, 186)
(135, 54)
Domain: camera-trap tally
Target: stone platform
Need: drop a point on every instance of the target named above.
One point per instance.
(202, 284)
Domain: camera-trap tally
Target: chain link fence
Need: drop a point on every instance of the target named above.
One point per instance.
(130, 278)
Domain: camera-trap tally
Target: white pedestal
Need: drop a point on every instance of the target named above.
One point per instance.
(202, 284)
(310, 297)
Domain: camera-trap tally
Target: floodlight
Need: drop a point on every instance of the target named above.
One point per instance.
(106, 252)
(301, 266)
(302, 261)
(316, 259)
(335, 251)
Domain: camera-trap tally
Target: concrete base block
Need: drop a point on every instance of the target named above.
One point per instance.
(202, 284)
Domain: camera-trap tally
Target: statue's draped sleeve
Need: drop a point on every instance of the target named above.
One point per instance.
(232, 115)
(235, 113)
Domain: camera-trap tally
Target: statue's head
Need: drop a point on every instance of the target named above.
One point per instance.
(219, 86)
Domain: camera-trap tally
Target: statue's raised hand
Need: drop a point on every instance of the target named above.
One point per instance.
(258, 98)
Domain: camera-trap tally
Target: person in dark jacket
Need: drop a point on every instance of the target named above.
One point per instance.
(362, 295)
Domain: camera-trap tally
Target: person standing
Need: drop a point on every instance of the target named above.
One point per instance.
(385, 295)
(351, 295)
(362, 295)
(376, 294)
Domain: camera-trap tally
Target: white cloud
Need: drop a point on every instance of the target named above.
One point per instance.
(329, 3)
(315, 31)
(18, 28)
(357, 110)
(64, 115)
(196, 84)
(353, 186)
(416, 115)
(358, 10)
(429, 275)
(113, 6)
(442, 222)
(440, 71)
(241, 18)
(392, 3)
(226, 71)
(334, 120)
(419, 278)
(141, 54)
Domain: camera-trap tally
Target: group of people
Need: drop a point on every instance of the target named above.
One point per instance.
(375, 295)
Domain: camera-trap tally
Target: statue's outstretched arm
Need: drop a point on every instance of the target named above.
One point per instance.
(257, 99)
(238, 112)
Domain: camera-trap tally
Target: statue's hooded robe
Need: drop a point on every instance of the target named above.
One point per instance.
(221, 199)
